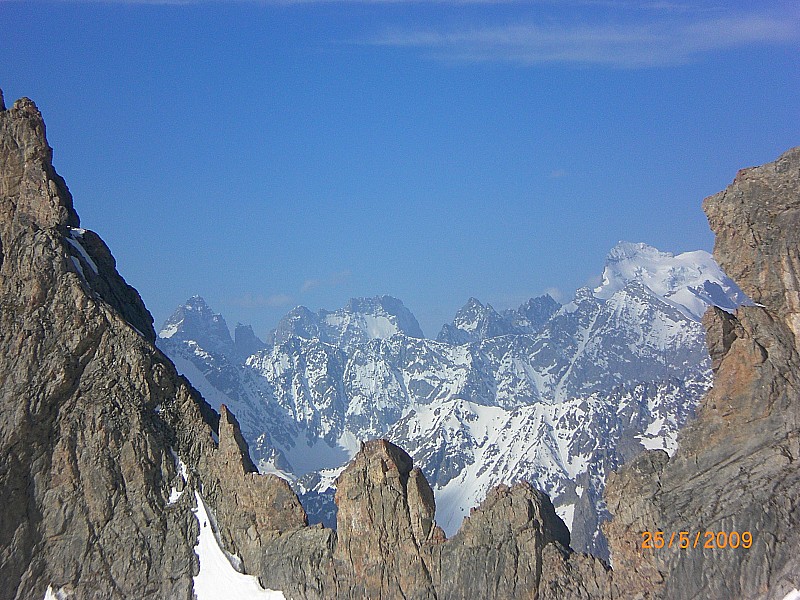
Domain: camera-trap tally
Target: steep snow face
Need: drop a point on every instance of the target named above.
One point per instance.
(690, 281)
(555, 395)
(217, 579)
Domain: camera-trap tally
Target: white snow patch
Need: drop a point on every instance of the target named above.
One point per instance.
(79, 268)
(73, 241)
(380, 327)
(170, 330)
(566, 512)
(653, 443)
(59, 594)
(217, 579)
(655, 427)
(793, 595)
(183, 471)
(174, 495)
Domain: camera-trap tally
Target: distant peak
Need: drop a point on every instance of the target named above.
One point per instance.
(690, 281)
(388, 303)
(628, 250)
(473, 302)
(198, 304)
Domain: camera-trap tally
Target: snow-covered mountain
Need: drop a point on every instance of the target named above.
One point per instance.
(690, 281)
(475, 322)
(363, 319)
(558, 395)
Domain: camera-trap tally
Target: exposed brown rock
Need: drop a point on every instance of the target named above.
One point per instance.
(90, 412)
(736, 468)
(388, 547)
(378, 552)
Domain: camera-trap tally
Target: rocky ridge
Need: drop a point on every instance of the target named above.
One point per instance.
(387, 544)
(736, 467)
(93, 416)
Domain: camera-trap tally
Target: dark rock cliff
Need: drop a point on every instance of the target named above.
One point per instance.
(737, 467)
(91, 413)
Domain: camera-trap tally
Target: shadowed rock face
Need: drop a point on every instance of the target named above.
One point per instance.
(90, 413)
(737, 466)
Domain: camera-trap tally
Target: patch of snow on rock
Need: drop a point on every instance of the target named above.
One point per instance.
(217, 579)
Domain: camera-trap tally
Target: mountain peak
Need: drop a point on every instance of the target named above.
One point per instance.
(630, 250)
(476, 321)
(360, 320)
(197, 302)
(689, 281)
(195, 320)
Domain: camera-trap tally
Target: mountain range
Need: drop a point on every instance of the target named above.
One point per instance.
(102, 438)
(556, 395)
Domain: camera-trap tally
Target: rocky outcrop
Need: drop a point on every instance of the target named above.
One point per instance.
(92, 415)
(736, 468)
(384, 521)
(388, 546)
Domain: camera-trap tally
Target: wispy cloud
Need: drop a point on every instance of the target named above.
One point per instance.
(249, 300)
(330, 281)
(555, 293)
(558, 174)
(615, 4)
(629, 45)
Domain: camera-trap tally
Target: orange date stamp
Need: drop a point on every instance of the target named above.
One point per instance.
(686, 540)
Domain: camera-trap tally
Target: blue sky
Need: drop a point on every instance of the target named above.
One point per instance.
(268, 154)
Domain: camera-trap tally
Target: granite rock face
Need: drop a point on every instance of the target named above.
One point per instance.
(388, 546)
(93, 416)
(736, 468)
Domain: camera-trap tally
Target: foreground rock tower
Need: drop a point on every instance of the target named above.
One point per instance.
(92, 416)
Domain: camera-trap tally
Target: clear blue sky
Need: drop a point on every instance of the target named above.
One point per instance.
(268, 154)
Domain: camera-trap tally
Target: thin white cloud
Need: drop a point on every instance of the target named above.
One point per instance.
(555, 293)
(283, 2)
(614, 4)
(249, 300)
(310, 284)
(331, 281)
(630, 45)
